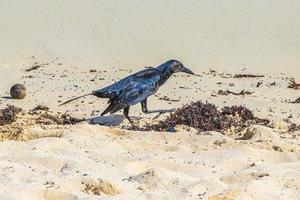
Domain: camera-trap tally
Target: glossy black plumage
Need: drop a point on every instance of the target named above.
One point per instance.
(137, 87)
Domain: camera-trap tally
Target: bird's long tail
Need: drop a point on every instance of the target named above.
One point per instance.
(74, 99)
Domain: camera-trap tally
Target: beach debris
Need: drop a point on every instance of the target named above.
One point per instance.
(259, 83)
(100, 187)
(220, 142)
(9, 114)
(28, 76)
(295, 101)
(40, 107)
(227, 92)
(15, 127)
(273, 83)
(240, 111)
(8, 128)
(11, 132)
(49, 184)
(64, 167)
(18, 91)
(171, 130)
(292, 84)
(35, 66)
(248, 76)
(47, 118)
(165, 98)
(292, 127)
(277, 148)
(229, 75)
(206, 117)
(212, 71)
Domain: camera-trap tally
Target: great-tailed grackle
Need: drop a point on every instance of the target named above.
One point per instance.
(137, 88)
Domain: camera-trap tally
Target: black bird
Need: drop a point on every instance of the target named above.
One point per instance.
(137, 88)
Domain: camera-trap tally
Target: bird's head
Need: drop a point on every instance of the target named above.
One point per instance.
(176, 66)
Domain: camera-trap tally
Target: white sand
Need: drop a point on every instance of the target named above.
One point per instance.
(150, 165)
(119, 37)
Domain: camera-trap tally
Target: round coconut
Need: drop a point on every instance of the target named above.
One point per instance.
(18, 91)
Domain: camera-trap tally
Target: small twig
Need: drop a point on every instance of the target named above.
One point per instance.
(65, 166)
(35, 66)
(247, 76)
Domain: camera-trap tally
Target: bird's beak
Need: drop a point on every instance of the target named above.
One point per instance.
(186, 70)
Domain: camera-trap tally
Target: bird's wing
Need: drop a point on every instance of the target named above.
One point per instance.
(117, 88)
(137, 90)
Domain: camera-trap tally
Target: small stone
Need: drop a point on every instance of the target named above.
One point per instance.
(171, 130)
(18, 91)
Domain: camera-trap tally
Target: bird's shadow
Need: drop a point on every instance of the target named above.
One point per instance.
(110, 120)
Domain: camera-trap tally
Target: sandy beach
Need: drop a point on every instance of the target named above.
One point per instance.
(81, 46)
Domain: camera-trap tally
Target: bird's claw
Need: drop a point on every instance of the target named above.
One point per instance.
(135, 128)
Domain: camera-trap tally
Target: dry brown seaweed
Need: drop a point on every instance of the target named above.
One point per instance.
(63, 119)
(40, 107)
(227, 92)
(9, 114)
(206, 117)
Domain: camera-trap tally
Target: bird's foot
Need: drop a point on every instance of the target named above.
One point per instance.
(134, 127)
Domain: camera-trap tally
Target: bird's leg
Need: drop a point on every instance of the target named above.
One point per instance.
(144, 106)
(125, 113)
(146, 111)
